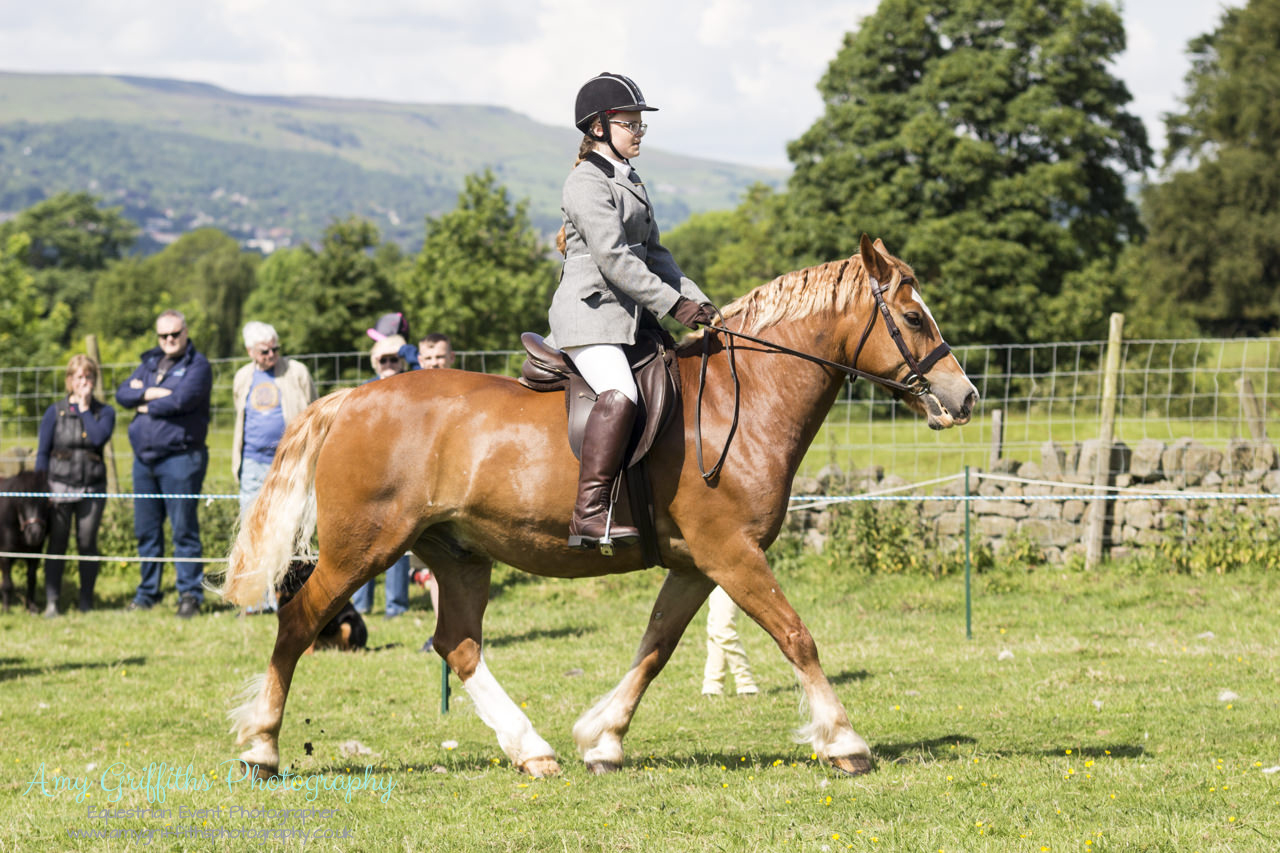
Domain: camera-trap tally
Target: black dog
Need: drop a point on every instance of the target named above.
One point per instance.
(344, 632)
(24, 523)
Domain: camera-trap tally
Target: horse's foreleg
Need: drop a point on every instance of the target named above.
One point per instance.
(599, 732)
(751, 584)
(256, 723)
(6, 584)
(463, 585)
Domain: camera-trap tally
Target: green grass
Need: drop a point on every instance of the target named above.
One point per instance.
(1103, 731)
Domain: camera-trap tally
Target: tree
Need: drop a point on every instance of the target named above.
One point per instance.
(69, 239)
(730, 252)
(1215, 227)
(203, 274)
(70, 231)
(986, 142)
(482, 276)
(323, 301)
(26, 333)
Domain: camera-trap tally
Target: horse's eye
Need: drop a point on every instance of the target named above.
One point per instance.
(914, 320)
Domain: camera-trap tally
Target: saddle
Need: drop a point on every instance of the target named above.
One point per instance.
(653, 363)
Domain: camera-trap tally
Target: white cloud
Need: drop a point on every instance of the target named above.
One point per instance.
(735, 79)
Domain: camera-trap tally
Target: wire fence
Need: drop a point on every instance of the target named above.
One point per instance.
(1208, 391)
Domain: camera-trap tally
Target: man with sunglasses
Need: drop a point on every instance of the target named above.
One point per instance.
(170, 394)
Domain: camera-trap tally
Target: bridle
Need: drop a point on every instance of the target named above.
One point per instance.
(914, 383)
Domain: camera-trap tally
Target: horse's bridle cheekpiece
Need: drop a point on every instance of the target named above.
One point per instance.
(914, 384)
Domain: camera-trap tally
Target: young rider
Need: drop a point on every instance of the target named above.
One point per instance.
(616, 279)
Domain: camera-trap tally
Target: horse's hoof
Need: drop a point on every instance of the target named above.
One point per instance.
(853, 765)
(259, 770)
(599, 768)
(541, 767)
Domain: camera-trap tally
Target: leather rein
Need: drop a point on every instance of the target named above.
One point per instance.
(914, 384)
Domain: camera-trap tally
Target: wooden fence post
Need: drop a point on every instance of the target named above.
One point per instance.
(1106, 437)
(997, 438)
(91, 350)
(1251, 409)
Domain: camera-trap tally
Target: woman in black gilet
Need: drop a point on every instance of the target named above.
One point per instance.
(72, 435)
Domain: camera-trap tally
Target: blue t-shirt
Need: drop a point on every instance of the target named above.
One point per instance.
(263, 418)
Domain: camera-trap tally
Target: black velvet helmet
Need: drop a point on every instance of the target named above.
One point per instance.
(603, 94)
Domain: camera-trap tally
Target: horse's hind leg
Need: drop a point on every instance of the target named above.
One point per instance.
(463, 583)
(257, 722)
(598, 733)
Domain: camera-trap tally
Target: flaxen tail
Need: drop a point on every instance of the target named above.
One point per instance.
(283, 516)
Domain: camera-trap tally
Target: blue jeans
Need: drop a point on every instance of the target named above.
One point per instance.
(397, 590)
(252, 475)
(179, 474)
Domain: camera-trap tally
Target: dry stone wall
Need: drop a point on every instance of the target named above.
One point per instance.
(1042, 500)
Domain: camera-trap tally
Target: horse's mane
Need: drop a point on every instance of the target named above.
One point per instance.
(827, 287)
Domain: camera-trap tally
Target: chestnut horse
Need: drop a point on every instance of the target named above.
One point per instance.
(467, 468)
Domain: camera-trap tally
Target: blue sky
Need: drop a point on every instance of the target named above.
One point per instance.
(735, 79)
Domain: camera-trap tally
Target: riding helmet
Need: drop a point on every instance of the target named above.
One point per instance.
(606, 93)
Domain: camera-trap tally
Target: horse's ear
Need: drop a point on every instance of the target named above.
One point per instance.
(880, 247)
(873, 261)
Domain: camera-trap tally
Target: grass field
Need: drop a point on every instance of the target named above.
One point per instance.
(1087, 713)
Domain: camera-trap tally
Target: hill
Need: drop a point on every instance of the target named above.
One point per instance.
(273, 170)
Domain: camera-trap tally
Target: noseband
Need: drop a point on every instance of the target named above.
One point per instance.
(914, 384)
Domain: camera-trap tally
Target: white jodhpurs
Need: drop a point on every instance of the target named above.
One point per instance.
(605, 368)
(724, 646)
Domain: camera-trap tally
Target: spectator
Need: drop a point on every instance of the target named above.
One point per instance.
(268, 394)
(170, 391)
(73, 433)
(724, 644)
(387, 361)
(435, 351)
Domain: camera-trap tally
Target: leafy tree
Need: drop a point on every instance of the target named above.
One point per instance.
(986, 141)
(730, 252)
(482, 276)
(285, 283)
(69, 239)
(203, 274)
(322, 301)
(70, 231)
(1215, 228)
(26, 333)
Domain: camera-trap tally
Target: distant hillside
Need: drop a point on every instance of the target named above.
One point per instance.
(179, 155)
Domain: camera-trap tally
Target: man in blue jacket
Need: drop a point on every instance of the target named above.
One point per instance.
(170, 391)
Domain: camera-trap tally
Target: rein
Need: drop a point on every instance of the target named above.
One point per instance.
(915, 383)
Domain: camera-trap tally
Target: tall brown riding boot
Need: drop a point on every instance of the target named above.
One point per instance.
(604, 443)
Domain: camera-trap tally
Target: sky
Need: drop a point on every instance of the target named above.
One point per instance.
(735, 80)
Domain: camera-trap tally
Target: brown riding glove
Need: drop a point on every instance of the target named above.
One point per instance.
(691, 314)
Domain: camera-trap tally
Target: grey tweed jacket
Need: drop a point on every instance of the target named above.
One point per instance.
(615, 266)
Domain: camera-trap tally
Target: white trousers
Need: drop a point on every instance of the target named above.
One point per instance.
(605, 368)
(724, 645)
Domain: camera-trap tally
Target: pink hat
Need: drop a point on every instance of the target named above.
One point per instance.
(389, 324)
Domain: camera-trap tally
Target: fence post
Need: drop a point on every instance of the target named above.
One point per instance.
(968, 562)
(1106, 436)
(91, 350)
(997, 438)
(1251, 409)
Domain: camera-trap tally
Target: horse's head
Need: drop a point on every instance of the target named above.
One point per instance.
(905, 344)
(33, 512)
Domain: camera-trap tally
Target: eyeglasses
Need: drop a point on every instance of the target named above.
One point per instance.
(170, 336)
(389, 360)
(268, 350)
(637, 128)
